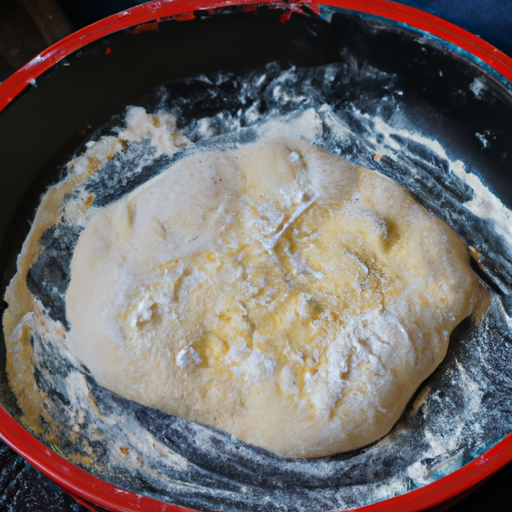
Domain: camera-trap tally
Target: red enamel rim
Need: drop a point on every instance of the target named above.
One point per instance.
(96, 491)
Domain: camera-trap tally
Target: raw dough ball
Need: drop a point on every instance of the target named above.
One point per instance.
(279, 293)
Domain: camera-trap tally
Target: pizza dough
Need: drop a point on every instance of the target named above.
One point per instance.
(275, 291)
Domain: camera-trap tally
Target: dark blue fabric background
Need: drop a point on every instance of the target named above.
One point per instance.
(489, 19)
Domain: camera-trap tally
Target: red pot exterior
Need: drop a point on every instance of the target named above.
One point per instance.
(90, 489)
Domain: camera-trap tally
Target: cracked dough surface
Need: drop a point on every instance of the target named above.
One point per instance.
(275, 291)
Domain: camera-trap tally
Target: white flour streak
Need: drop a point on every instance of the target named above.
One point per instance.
(486, 205)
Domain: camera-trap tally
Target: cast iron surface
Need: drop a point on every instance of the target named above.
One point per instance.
(409, 60)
